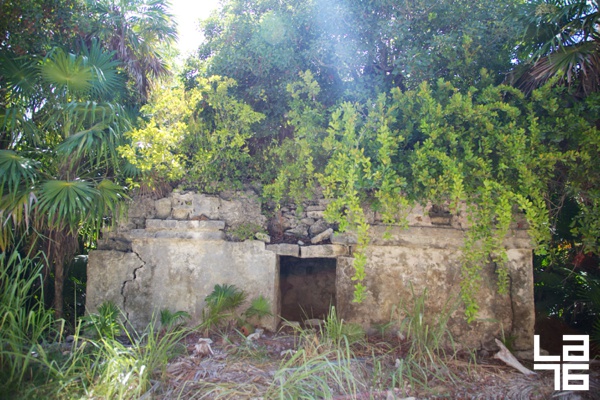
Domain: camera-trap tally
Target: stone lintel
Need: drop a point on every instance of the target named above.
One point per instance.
(284, 249)
(324, 251)
(346, 238)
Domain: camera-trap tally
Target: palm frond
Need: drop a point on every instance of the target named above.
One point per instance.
(15, 215)
(570, 64)
(110, 195)
(561, 40)
(104, 69)
(19, 75)
(67, 203)
(16, 171)
(67, 71)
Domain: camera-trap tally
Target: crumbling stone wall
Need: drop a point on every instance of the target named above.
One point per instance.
(172, 251)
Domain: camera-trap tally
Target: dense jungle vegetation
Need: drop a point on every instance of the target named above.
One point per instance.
(495, 105)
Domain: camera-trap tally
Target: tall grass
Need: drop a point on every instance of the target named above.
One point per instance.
(430, 346)
(35, 362)
(24, 322)
(319, 372)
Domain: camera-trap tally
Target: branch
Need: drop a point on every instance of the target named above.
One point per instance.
(506, 357)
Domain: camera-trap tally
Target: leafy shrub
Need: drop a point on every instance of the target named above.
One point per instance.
(105, 323)
(245, 231)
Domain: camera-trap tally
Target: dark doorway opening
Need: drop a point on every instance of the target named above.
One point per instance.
(307, 287)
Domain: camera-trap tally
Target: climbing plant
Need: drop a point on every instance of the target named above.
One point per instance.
(486, 152)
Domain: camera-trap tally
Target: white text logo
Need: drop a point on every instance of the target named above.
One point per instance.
(581, 358)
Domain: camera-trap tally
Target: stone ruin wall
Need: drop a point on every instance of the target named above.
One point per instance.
(171, 252)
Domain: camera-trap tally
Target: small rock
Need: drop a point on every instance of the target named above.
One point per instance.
(318, 227)
(255, 336)
(307, 221)
(263, 237)
(202, 348)
(288, 352)
(181, 213)
(299, 231)
(322, 236)
(315, 214)
(300, 243)
(163, 208)
(314, 323)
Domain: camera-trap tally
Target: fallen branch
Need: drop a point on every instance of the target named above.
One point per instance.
(506, 357)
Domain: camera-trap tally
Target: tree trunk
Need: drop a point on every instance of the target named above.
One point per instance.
(62, 247)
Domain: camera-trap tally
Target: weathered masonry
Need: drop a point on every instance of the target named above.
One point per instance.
(173, 251)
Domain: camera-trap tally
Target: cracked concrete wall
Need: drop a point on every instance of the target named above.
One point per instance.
(175, 265)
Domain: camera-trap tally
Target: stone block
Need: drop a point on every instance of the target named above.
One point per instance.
(315, 214)
(322, 236)
(318, 227)
(323, 251)
(163, 208)
(299, 231)
(158, 225)
(263, 237)
(346, 238)
(307, 221)
(196, 235)
(181, 212)
(284, 249)
(205, 205)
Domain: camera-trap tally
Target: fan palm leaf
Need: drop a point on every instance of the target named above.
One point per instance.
(16, 170)
(561, 40)
(571, 63)
(67, 72)
(19, 75)
(15, 215)
(103, 65)
(66, 204)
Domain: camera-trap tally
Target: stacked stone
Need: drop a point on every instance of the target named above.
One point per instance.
(304, 224)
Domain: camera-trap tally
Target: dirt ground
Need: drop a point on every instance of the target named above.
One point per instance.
(232, 367)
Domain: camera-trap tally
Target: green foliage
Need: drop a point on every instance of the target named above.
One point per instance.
(61, 123)
(104, 324)
(320, 373)
(200, 134)
(487, 149)
(355, 50)
(24, 321)
(245, 231)
(339, 332)
(259, 308)
(222, 308)
(221, 305)
(33, 365)
(427, 334)
(297, 159)
(170, 319)
(559, 40)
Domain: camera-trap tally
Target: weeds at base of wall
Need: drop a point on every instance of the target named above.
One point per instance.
(104, 361)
